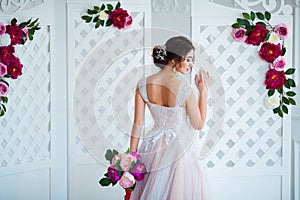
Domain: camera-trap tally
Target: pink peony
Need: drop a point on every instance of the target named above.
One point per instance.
(115, 159)
(281, 30)
(126, 161)
(15, 33)
(120, 18)
(239, 34)
(6, 54)
(3, 89)
(257, 35)
(2, 29)
(15, 68)
(275, 79)
(127, 180)
(269, 51)
(3, 69)
(278, 64)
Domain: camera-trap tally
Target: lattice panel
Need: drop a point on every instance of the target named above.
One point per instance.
(25, 128)
(119, 76)
(251, 135)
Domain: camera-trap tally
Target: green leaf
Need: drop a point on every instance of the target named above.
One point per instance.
(115, 152)
(290, 71)
(102, 7)
(5, 100)
(13, 21)
(22, 25)
(96, 18)
(285, 109)
(279, 90)
(102, 22)
(110, 7)
(109, 155)
(291, 82)
(260, 16)
(236, 25)
(105, 182)
(243, 22)
(96, 8)
(246, 16)
(30, 37)
(283, 51)
(291, 93)
(285, 100)
(91, 12)
(118, 5)
(267, 15)
(271, 92)
(292, 101)
(280, 113)
(33, 23)
(108, 22)
(87, 18)
(287, 85)
(276, 110)
(252, 15)
(262, 23)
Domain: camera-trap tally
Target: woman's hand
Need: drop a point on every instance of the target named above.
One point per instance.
(202, 81)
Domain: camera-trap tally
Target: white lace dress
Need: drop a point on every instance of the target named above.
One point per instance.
(174, 172)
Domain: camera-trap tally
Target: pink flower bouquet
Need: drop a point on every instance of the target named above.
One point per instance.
(261, 33)
(10, 65)
(125, 169)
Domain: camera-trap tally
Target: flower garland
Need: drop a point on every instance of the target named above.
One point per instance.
(10, 65)
(107, 15)
(125, 168)
(259, 32)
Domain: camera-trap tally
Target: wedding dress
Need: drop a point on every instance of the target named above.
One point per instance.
(169, 152)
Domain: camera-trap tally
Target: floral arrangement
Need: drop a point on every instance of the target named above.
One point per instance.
(125, 168)
(107, 15)
(255, 29)
(10, 65)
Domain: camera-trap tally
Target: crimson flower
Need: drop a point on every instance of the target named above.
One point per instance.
(14, 68)
(269, 51)
(15, 33)
(113, 174)
(257, 35)
(274, 79)
(120, 18)
(6, 54)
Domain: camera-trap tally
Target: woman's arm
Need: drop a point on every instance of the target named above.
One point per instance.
(197, 111)
(139, 112)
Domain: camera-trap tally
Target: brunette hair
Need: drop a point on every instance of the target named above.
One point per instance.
(176, 48)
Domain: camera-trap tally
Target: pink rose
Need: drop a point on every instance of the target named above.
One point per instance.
(257, 35)
(238, 34)
(115, 159)
(120, 18)
(3, 69)
(2, 29)
(3, 89)
(278, 64)
(269, 51)
(126, 161)
(127, 180)
(281, 30)
(25, 33)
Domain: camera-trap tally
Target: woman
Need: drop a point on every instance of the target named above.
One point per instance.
(167, 149)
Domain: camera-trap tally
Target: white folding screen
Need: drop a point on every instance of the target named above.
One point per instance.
(100, 51)
(25, 129)
(252, 158)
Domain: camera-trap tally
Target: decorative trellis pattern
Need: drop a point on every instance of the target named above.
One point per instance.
(25, 129)
(120, 75)
(251, 135)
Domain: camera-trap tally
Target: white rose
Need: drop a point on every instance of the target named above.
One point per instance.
(273, 38)
(5, 40)
(103, 15)
(271, 102)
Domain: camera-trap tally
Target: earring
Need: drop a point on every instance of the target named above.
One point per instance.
(174, 70)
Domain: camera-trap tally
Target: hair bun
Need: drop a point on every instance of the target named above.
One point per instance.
(159, 55)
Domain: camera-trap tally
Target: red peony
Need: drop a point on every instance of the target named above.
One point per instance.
(120, 18)
(15, 68)
(15, 33)
(6, 54)
(257, 35)
(275, 79)
(269, 51)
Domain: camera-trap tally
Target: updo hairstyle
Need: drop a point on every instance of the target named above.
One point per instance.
(176, 48)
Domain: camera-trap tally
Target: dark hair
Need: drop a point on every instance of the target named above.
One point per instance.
(176, 48)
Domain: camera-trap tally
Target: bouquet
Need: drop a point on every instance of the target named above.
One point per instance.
(124, 169)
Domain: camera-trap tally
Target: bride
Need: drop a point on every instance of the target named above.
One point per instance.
(173, 171)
